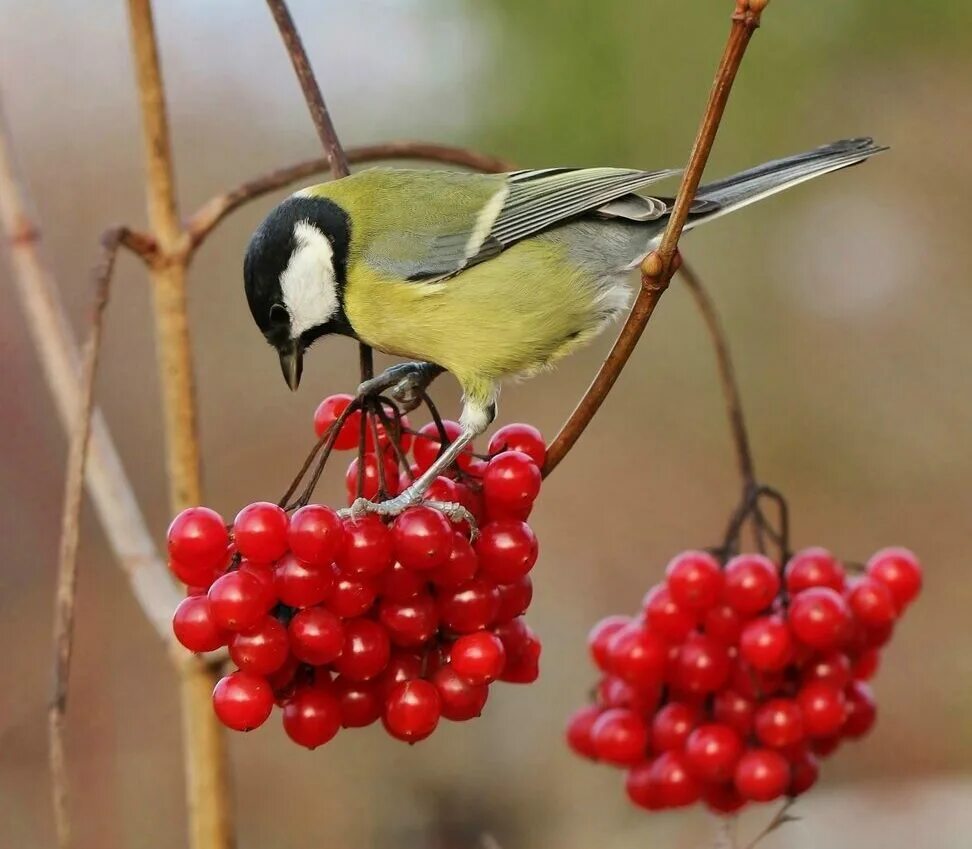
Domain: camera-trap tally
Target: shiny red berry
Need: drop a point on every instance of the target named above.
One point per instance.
(823, 708)
(722, 799)
(260, 532)
(671, 726)
(376, 471)
(511, 482)
(352, 596)
(723, 623)
(328, 412)
(366, 650)
(831, 668)
(460, 566)
(641, 787)
(804, 771)
(519, 437)
(412, 710)
(751, 583)
(899, 570)
(315, 534)
(312, 716)
(242, 701)
(367, 548)
(865, 665)
(579, 731)
(673, 781)
(701, 666)
(238, 601)
(361, 702)
(762, 775)
(637, 655)
(620, 737)
(664, 617)
(427, 444)
(734, 710)
(872, 603)
(507, 550)
(459, 699)
(599, 638)
(402, 666)
(694, 580)
(194, 626)
(263, 649)
(195, 576)
(468, 607)
(198, 538)
(861, 710)
(422, 538)
(712, 752)
(479, 657)
(523, 650)
(779, 723)
(298, 584)
(813, 567)
(316, 636)
(766, 644)
(820, 618)
(514, 598)
(409, 623)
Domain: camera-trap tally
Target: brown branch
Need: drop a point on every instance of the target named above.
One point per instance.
(207, 774)
(658, 267)
(205, 219)
(727, 374)
(67, 567)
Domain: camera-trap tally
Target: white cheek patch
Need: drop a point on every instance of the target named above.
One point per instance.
(308, 283)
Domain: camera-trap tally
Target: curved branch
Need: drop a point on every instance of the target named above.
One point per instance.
(658, 267)
(205, 219)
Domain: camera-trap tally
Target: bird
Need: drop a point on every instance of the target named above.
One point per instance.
(486, 276)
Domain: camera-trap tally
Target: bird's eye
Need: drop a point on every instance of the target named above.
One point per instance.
(279, 316)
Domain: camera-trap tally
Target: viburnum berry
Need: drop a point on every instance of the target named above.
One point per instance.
(514, 599)
(672, 725)
(751, 583)
(778, 723)
(237, 600)
(422, 538)
(360, 702)
(599, 638)
(522, 651)
(872, 603)
(507, 550)
(409, 623)
(299, 584)
(402, 666)
(459, 699)
(412, 710)
(315, 534)
(723, 623)
(366, 650)
(701, 666)
(261, 650)
(899, 570)
(722, 799)
(511, 482)
(641, 787)
(519, 437)
(195, 627)
(813, 567)
(694, 580)
(673, 781)
(367, 547)
(479, 657)
(712, 751)
(804, 771)
(328, 412)
(664, 617)
(242, 701)
(865, 665)
(428, 444)
(469, 606)
(833, 668)
(620, 737)
(380, 476)
(260, 532)
(460, 566)
(195, 576)
(579, 731)
(637, 655)
(861, 709)
(766, 644)
(401, 584)
(820, 618)
(316, 636)
(312, 716)
(198, 538)
(736, 711)
(822, 707)
(352, 596)
(762, 775)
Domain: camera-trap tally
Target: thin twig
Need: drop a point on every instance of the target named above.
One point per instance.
(67, 567)
(780, 818)
(658, 267)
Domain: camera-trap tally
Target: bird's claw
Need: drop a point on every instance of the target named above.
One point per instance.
(453, 511)
(405, 383)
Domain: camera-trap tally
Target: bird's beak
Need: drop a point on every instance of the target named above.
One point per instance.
(292, 362)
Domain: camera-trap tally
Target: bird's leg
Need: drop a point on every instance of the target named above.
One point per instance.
(407, 382)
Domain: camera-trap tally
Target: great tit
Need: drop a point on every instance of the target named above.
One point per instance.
(488, 276)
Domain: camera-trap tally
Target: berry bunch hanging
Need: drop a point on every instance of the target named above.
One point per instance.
(343, 620)
(736, 677)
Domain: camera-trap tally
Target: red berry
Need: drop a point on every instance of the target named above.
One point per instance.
(194, 626)
(899, 570)
(479, 657)
(260, 532)
(637, 655)
(312, 716)
(861, 710)
(779, 723)
(409, 623)
(366, 650)
(701, 666)
(754, 683)
(352, 596)
(820, 618)
(442, 489)
(316, 636)
(298, 584)
(242, 701)
(823, 708)
(402, 666)
(825, 746)
(367, 548)
(460, 566)
(620, 737)
(872, 603)
(238, 601)
(803, 773)
(459, 700)
(671, 726)
(514, 599)
(664, 617)
(813, 567)
(674, 784)
(712, 752)
(361, 703)
(468, 607)
(722, 799)
(579, 731)
(519, 437)
(865, 665)
(751, 583)
(511, 482)
(723, 623)
(328, 412)
(507, 550)
(374, 474)
(735, 711)
(427, 444)
(599, 638)
(641, 788)
(614, 692)
(832, 668)
(694, 580)
(765, 644)
(762, 775)
(412, 710)
(263, 649)
(195, 576)
(522, 652)
(263, 572)
(197, 538)
(401, 584)
(384, 438)
(315, 534)
(422, 538)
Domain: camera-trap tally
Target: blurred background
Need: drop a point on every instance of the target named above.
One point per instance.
(848, 305)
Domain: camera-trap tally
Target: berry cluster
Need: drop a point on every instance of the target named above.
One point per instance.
(344, 621)
(733, 681)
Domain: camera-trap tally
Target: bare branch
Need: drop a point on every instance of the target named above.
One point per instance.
(658, 267)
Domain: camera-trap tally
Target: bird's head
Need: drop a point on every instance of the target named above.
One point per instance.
(294, 275)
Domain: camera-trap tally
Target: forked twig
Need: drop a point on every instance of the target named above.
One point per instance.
(780, 818)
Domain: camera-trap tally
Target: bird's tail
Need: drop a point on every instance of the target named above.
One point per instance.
(739, 190)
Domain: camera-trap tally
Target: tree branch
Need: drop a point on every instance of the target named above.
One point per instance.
(658, 267)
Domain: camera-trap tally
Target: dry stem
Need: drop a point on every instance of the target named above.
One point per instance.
(660, 264)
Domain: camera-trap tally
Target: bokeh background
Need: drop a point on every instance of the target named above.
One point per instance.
(848, 302)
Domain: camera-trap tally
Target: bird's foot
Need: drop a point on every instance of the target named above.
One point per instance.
(393, 507)
(405, 382)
